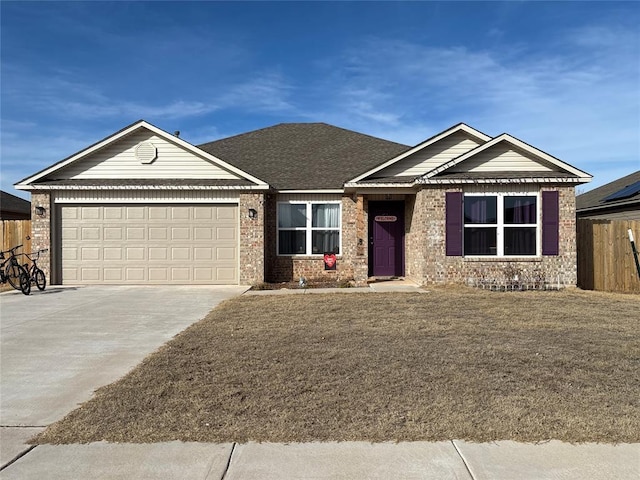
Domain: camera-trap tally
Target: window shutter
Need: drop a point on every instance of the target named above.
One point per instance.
(550, 223)
(454, 223)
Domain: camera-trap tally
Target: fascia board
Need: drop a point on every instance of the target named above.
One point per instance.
(430, 141)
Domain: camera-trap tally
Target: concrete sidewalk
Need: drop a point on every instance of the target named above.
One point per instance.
(348, 460)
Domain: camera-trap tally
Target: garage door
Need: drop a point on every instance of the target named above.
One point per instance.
(138, 244)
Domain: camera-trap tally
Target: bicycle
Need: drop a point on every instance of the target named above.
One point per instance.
(35, 273)
(11, 271)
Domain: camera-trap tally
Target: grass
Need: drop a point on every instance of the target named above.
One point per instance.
(454, 363)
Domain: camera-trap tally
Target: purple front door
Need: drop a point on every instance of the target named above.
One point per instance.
(386, 239)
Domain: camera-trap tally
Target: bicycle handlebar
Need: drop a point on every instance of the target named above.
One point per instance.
(12, 249)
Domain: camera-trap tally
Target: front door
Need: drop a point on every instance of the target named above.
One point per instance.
(386, 239)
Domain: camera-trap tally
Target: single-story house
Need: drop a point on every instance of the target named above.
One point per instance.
(145, 206)
(14, 208)
(617, 200)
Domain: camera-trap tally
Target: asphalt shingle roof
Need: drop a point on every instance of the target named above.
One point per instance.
(304, 156)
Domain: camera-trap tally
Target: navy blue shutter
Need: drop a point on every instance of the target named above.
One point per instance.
(550, 223)
(454, 222)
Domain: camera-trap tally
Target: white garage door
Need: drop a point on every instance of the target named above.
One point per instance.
(140, 244)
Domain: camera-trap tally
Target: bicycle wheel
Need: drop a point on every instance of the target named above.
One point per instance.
(13, 273)
(41, 280)
(25, 281)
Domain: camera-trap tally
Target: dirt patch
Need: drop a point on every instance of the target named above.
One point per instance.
(450, 364)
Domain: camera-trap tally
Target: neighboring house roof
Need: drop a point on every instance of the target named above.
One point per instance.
(596, 200)
(304, 156)
(14, 208)
(48, 174)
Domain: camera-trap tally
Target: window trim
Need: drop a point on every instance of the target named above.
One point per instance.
(500, 225)
(308, 228)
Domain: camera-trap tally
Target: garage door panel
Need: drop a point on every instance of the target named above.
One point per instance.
(135, 213)
(113, 275)
(134, 274)
(180, 274)
(181, 213)
(112, 253)
(91, 213)
(70, 233)
(225, 233)
(158, 213)
(158, 233)
(90, 233)
(90, 274)
(225, 214)
(203, 233)
(136, 233)
(225, 274)
(203, 213)
(158, 274)
(136, 253)
(113, 213)
(180, 233)
(113, 233)
(90, 253)
(181, 253)
(150, 244)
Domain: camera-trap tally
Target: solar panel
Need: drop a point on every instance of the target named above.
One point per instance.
(626, 192)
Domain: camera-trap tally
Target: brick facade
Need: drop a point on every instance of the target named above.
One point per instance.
(252, 238)
(425, 258)
(351, 263)
(41, 231)
(427, 262)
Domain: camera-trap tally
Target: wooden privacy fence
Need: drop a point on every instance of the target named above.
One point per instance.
(605, 257)
(16, 232)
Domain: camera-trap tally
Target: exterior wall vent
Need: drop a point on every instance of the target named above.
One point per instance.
(146, 152)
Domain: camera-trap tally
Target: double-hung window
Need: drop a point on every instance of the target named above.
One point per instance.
(309, 228)
(501, 225)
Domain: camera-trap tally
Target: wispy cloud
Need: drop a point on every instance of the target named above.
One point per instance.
(577, 99)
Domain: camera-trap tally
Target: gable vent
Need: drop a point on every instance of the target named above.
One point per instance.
(146, 152)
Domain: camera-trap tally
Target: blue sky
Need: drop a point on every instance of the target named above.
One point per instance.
(562, 76)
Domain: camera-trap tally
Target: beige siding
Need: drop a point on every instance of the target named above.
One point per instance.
(431, 157)
(149, 244)
(118, 160)
(503, 158)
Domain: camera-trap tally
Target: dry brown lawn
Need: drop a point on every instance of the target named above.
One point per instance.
(454, 363)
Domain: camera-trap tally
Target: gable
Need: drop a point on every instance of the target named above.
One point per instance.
(432, 156)
(427, 155)
(140, 152)
(143, 154)
(506, 156)
(503, 157)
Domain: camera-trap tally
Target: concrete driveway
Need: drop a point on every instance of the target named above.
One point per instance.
(59, 345)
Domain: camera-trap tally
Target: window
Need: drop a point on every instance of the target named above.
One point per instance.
(308, 228)
(500, 225)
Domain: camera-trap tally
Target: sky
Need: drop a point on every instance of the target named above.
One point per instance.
(561, 76)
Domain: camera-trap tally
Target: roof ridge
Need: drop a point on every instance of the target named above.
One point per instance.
(251, 132)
